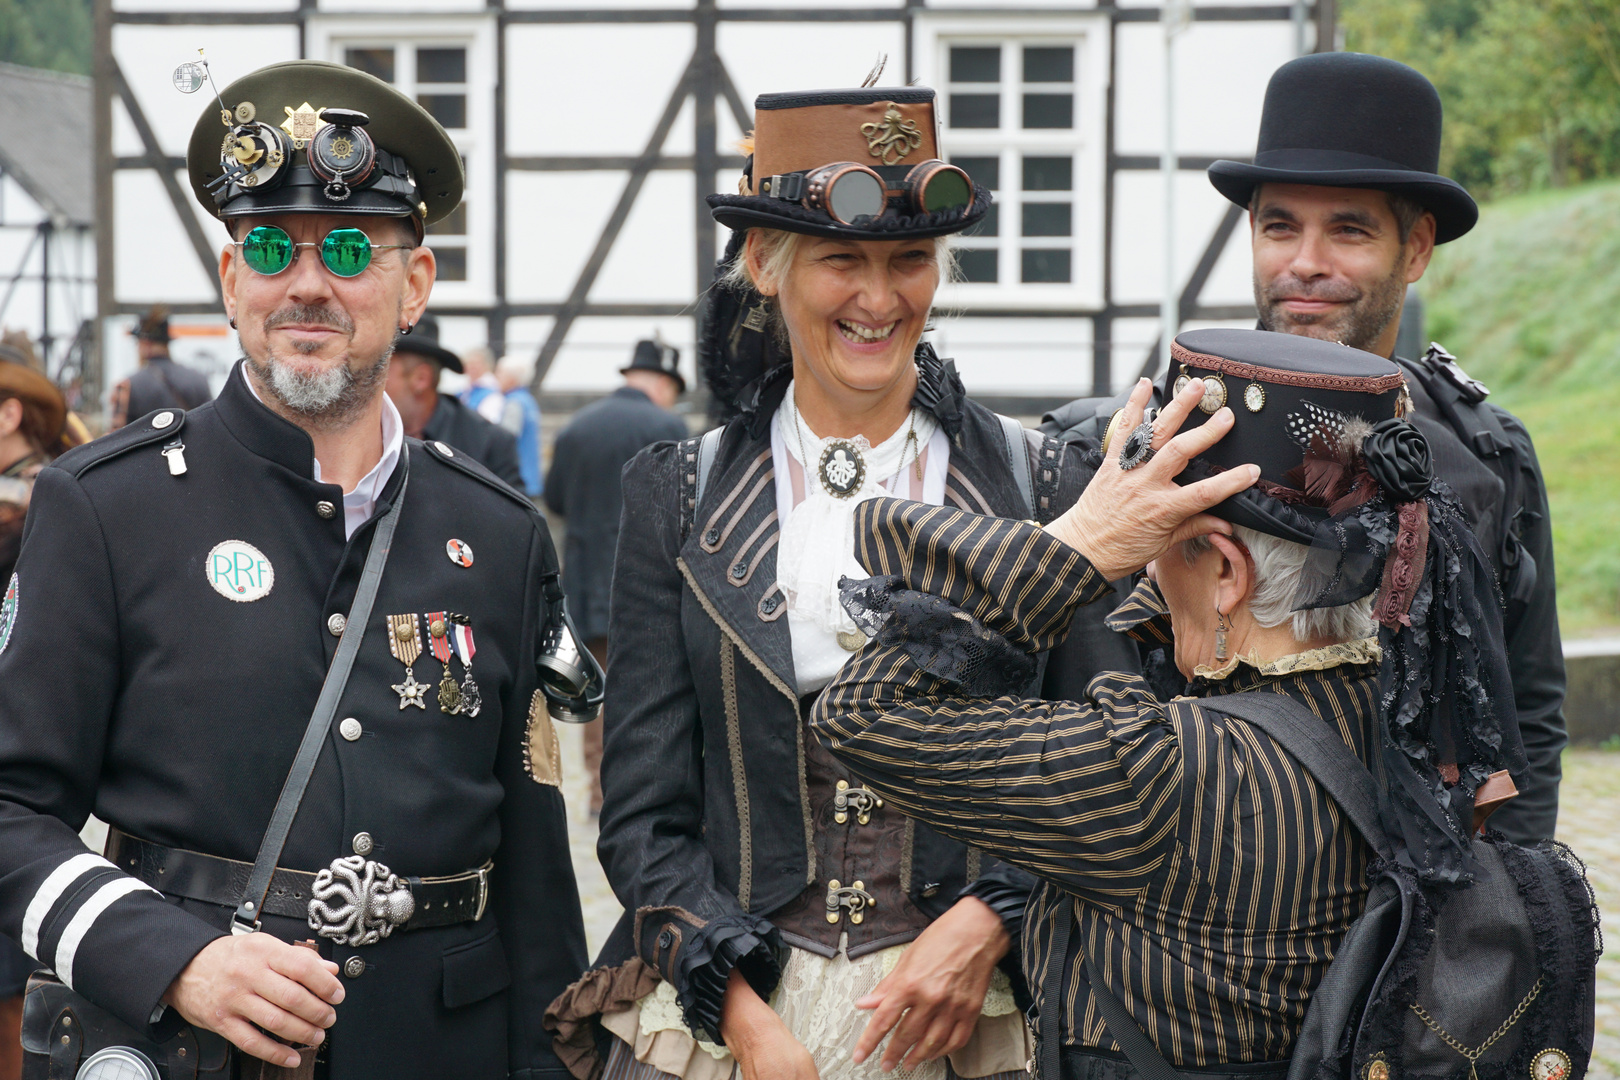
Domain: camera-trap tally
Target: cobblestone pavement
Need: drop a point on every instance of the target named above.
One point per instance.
(1591, 807)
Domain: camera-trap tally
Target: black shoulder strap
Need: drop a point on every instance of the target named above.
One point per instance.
(1018, 458)
(246, 919)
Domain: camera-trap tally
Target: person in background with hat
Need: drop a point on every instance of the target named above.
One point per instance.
(186, 587)
(583, 489)
(774, 905)
(1345, 209)
(1191, 869)
(521, 416)
(413, 387)
(160, 383)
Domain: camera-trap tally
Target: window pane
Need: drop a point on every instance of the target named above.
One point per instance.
(455, 223)
(1049, 65)
(978, 264)
(453, 263)
(1048, 174)
(1049, 110)
(985, 171)
(1047, 265)
(448, 109)
(378, 62)
(979, 64)
(975, 110)
(1046, 219)
(447, 65)
(989, 225)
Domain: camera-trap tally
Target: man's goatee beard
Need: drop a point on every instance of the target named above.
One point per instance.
(1359, 325)
(326, 399)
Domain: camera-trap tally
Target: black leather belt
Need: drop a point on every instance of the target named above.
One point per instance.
(437, 901)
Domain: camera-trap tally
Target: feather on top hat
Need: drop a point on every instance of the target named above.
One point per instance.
(859, 164)
(1354, 121)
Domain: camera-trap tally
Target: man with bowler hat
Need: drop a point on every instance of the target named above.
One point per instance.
(292, 657)
(1345, 209)
(160, 383)
(583, 488)
(413, 386)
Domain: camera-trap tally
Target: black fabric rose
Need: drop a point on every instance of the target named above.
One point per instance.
(1398, 457)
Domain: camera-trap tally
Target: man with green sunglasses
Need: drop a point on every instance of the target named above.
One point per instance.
(164, 673)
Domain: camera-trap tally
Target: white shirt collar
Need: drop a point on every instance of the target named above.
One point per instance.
(359, 504)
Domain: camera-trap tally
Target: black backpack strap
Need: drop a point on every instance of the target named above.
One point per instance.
(1018, 458)
(1320, 750)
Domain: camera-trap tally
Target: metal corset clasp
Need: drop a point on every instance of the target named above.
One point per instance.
(852, 896)
(357, 901)
(861, 799)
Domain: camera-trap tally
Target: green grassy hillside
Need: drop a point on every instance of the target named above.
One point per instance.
(1530, 304)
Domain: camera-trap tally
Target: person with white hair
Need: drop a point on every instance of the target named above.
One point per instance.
(520, 414)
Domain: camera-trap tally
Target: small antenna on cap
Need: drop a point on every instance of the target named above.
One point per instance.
(877, 71)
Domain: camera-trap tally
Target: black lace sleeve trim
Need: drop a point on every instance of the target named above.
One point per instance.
(743, 942)
(940, 638)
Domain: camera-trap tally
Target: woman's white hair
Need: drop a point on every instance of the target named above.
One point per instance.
(1278, 566)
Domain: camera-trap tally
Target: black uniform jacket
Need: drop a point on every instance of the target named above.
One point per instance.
(1212, 878)
(1535, 652)
(163, 384)
(133, 688)
(491, 445)
(707, 827)
(583, 486)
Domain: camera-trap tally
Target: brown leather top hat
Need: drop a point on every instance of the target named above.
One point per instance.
(1354, 121)
(858, 164)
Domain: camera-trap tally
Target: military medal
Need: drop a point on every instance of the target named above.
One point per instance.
(439, 641)
(405, 642)
(462, 640)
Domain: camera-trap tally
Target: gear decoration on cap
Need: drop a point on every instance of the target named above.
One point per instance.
(251, 155)
(341, 153)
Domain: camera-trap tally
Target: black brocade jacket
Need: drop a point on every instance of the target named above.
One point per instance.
(708, 829)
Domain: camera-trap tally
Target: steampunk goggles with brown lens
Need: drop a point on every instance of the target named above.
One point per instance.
(849, 192)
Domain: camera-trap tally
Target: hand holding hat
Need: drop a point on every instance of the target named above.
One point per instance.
(1126, 518)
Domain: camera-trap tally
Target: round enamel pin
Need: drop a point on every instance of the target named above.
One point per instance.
(460, 552)
(239, 571)
(8, 612)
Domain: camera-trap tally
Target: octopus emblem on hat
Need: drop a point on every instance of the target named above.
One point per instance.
(891, 138)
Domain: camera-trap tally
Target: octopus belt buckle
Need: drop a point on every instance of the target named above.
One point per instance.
(357, 901)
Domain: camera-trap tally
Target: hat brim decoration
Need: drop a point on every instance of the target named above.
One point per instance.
(1344, 473)
(888, 131)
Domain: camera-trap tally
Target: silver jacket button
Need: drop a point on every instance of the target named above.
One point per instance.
(325, 509)
(362, 843)
(336, 623)
(350, 728)
(163, 419)
(354, 967)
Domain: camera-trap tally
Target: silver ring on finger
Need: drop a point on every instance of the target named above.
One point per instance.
(1138, 447)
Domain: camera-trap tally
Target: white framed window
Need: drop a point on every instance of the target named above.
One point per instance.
(446, 66)
(1021, 110)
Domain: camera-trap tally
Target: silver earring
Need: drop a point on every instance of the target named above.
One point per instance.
(1222, 628)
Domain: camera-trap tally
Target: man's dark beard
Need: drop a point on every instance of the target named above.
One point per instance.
(1359, 324)
(332, 398)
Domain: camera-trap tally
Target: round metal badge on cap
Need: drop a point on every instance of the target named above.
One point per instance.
(460, 552)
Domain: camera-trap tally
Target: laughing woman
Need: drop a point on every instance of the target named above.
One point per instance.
(779, 917)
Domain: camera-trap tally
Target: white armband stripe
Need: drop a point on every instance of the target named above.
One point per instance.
(50, 891)
(86, 917)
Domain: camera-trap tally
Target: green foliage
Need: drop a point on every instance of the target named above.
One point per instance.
(1531, 87)
(54, 34)
(1528, 303)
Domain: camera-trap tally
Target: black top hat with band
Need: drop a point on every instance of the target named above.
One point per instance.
(1344, 473)
(308, 136)
(656, 356)
(857, 164)
(1354, 121)
(153, 326)
(423, 341)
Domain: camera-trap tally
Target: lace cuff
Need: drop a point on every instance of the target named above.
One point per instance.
(943, 640)
(743, 942)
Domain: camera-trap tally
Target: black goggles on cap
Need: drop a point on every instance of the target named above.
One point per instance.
(848, 191)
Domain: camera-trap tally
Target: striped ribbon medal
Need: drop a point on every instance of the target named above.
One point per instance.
(405, 642)
(439, 640)
(461, 637)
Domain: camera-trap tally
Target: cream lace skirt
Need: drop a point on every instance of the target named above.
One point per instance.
(816, 1000)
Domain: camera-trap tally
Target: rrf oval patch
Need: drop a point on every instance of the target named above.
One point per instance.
(239, 571)
(8, 612)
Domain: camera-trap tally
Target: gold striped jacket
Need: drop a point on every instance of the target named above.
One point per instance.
(1211, 877)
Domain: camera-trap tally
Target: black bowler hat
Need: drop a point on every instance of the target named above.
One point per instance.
(654, 355)
(154, 326)
(423, 340)
(859, 164)
(1353, 121)
(307, 136)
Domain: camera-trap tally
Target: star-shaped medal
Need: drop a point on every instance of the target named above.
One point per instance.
(411, 692)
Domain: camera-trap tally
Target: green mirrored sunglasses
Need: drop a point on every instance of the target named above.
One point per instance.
(346, 252)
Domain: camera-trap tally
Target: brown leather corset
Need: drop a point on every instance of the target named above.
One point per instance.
(863, 865)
